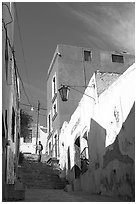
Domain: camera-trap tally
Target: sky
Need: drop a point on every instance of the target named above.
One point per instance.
(44, 25)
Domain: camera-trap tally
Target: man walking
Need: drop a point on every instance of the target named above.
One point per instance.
(39, 148)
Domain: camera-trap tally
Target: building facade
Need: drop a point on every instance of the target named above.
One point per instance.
(29, 145)
(99, 141)
(10, 104)
(74, 66)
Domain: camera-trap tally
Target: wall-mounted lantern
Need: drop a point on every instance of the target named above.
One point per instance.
(64, 92)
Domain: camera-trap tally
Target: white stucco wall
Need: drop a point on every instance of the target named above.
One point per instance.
(78, 124)
(63, 149)
(103, 132)
(118, 97)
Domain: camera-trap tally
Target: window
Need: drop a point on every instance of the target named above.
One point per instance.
(50, 148)
(56, 146)
(6, 56)
(87, 55)
(54, 110)
(3, 133)
(54, 88)
(13, 125)
(6, 124)
(68, 155)
(49, 122)
(117, 58)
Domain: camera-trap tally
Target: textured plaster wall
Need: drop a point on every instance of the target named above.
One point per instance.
(96, 143)
(106, 63)
(112, 169)
(63, 147)
(71, 70)
(55, 124)
(111, 166)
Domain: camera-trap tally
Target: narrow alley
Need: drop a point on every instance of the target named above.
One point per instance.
(68, 102)
(42, 184)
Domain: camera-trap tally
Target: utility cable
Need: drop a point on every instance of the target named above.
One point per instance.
(21, 41)
(15, 64)
(20, 77)
(82, 92)
(33, 106)
(24, 109)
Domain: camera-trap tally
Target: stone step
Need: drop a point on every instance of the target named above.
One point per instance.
(40, 175)
(46, 185)
(54, 186)
(43, 182)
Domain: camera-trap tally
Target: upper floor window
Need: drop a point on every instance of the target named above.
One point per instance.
(54, 110)
(117, 58)
(54, 87)
(87, 55)
(49, 122)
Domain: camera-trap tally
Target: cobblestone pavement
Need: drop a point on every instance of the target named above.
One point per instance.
(55, 195)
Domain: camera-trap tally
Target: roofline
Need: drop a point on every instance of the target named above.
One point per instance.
(122, 76)
(52, 61)
(108, 51)
(105, 51)
(102, 72)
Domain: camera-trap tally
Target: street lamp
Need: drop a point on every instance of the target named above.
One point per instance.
(65, 89)
(64, 92)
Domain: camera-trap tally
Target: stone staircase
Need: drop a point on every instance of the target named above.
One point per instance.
(38, 175)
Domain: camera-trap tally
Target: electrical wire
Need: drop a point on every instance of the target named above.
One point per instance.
(13, 53)
(21, 41)
(36, 112)
(16, 68)
(23, 87)
(33, 106)
(82, 92)
(15, 64)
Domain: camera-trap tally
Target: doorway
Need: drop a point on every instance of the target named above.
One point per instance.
(77, 159)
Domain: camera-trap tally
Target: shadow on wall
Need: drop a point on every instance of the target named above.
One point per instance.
(90, 180)
(118, 173)
(112, 169)
(75, 171)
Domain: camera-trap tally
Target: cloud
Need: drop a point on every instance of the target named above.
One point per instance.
(107, 24)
